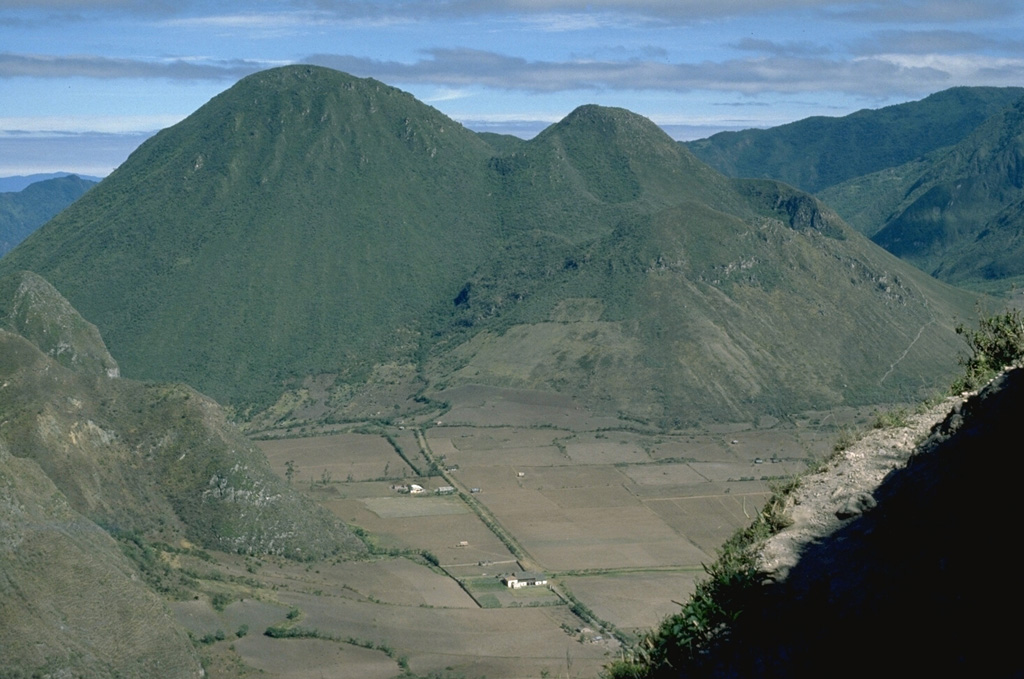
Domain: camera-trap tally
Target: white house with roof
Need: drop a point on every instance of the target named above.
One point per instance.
(524, 579)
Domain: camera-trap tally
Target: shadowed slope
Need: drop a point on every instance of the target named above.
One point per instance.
(962, 218)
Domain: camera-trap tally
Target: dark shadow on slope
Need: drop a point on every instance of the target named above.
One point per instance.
(925, 584)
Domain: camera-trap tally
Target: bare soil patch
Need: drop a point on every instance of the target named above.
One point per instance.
(360, 457)
(313, 659)
(634, 601)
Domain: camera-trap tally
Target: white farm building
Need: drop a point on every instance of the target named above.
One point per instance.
(520, 580)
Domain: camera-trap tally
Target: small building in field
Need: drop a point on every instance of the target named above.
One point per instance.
(445, 490)
(524, 579)
(416, 489)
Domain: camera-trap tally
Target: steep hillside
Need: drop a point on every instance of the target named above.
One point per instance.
(307, 237)
(816, 153)
(299, 223)
(36, 311)
(94, 469)
(71, 604)
(151, 459)
(689, 314)
(868, 568)
(961, 217)
(24, 211)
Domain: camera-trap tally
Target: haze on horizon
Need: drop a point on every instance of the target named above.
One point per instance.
(83, 82)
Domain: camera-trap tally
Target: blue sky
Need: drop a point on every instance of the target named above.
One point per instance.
(83, 82)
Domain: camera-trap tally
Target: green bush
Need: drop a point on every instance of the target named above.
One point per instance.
(220, 601)
(997, 343)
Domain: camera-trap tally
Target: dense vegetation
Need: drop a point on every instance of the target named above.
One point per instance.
(937, 182)
(960, 218)
(24, 211)
(310, 229)
(816, 153)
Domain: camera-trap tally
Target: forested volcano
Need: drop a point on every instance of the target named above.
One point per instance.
(309, 224)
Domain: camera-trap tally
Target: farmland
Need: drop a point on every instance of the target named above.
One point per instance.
(619, 519)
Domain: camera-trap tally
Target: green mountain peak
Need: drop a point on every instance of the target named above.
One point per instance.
(309, 225)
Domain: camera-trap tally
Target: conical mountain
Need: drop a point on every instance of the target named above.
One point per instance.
(696, 297)
(962, 217)
(310, 224)
(297, 223)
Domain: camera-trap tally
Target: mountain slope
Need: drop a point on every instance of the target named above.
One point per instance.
(24, 211)
(688, 314)
(71, 604)
(862, 567)
(962, 217)
(816, 153)
(151, 459)
(304, 214)
(94, 469)
(310, 228)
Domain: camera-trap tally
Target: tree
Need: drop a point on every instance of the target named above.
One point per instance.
(997, 343)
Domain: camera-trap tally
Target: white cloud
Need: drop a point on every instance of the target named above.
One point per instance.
(22, 126)
(91, 66)
(447, 94)
(878, 76)
(562, 12)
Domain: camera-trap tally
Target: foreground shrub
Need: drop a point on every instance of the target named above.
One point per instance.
(997, 343)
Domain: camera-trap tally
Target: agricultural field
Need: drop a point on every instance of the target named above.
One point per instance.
(619, 519)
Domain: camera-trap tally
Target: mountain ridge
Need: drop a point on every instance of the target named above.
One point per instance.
(306, 224)
(24, 211)
(819, 152)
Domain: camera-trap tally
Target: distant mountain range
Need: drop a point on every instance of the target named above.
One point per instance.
(25, 209)
(936, 182)
(959, 214)
(309, 225)
(816, 153)
(17, 183)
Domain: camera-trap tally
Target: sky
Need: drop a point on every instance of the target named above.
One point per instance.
(84, 82)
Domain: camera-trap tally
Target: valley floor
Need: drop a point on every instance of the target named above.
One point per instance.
(618, 520)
